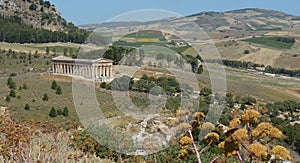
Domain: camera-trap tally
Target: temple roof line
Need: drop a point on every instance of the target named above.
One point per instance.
(69, 59)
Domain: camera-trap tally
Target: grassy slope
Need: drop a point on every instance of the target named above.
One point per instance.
(270, 41)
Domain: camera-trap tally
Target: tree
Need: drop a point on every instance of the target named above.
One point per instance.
(58, 90)
(246, 51)
(54, 51)
(65, 51)
(24, 86)
(200, 69)
(65, 112)
(7, 99)
(12, 93)
(54, 85)
(33, 7)
(45, 97)
(103, 85)
(47, 50)
(205, 91)
(11, 84)
(52, 112)
(27, 107)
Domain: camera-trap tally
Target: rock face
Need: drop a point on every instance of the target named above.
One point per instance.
(38, 13)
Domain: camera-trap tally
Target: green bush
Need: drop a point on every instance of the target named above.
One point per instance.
(27, 107)
(52, 112)
(45, 97)
(58, 90)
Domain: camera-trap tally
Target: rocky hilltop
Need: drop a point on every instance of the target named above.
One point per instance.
(37, 13)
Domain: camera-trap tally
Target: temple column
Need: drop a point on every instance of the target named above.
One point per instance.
(76, 69)
(96, 73)
(61, 69)
(64, 68)
(71, 69)
(87, 71)
(67, 68)
(84, 70)
(101, 71)
(110, 69)
(107, 71)
(90, 71)
(55, 67)
(93, 71)
(58, 68)
(79, 70)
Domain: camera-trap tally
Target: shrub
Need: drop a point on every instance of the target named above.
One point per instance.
(12, 93)
(52, 112)
(246, 51)
(65, 112)
(33, 7)
(13, 74)
(27, 107)
(54, 85)
(7, 99)
(103, 85)
(58, 90)
(45, 97)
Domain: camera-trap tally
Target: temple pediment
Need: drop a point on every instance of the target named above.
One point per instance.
(69, 59)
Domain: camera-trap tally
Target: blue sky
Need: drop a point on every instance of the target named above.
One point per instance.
(96, 11)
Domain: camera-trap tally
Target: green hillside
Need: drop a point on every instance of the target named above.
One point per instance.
(12, 31)
(276, 42)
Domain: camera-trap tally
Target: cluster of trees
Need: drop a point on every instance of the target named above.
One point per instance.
(286, 40)
(56, 87)
(169, 84)
(282, 71)
(116, 53)
(12, 86)
(195, 63)
(12, 93)
(268, 69)
(240, 64)
(57, 112)
(13, 31)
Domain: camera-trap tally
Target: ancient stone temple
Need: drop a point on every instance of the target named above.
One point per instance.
(98, 69)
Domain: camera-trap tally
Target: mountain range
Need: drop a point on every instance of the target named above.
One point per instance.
(243, 19)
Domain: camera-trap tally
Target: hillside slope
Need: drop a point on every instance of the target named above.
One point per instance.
(37, 13)
(249, 19)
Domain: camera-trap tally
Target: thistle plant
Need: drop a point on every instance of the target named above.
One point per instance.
(250, 140)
